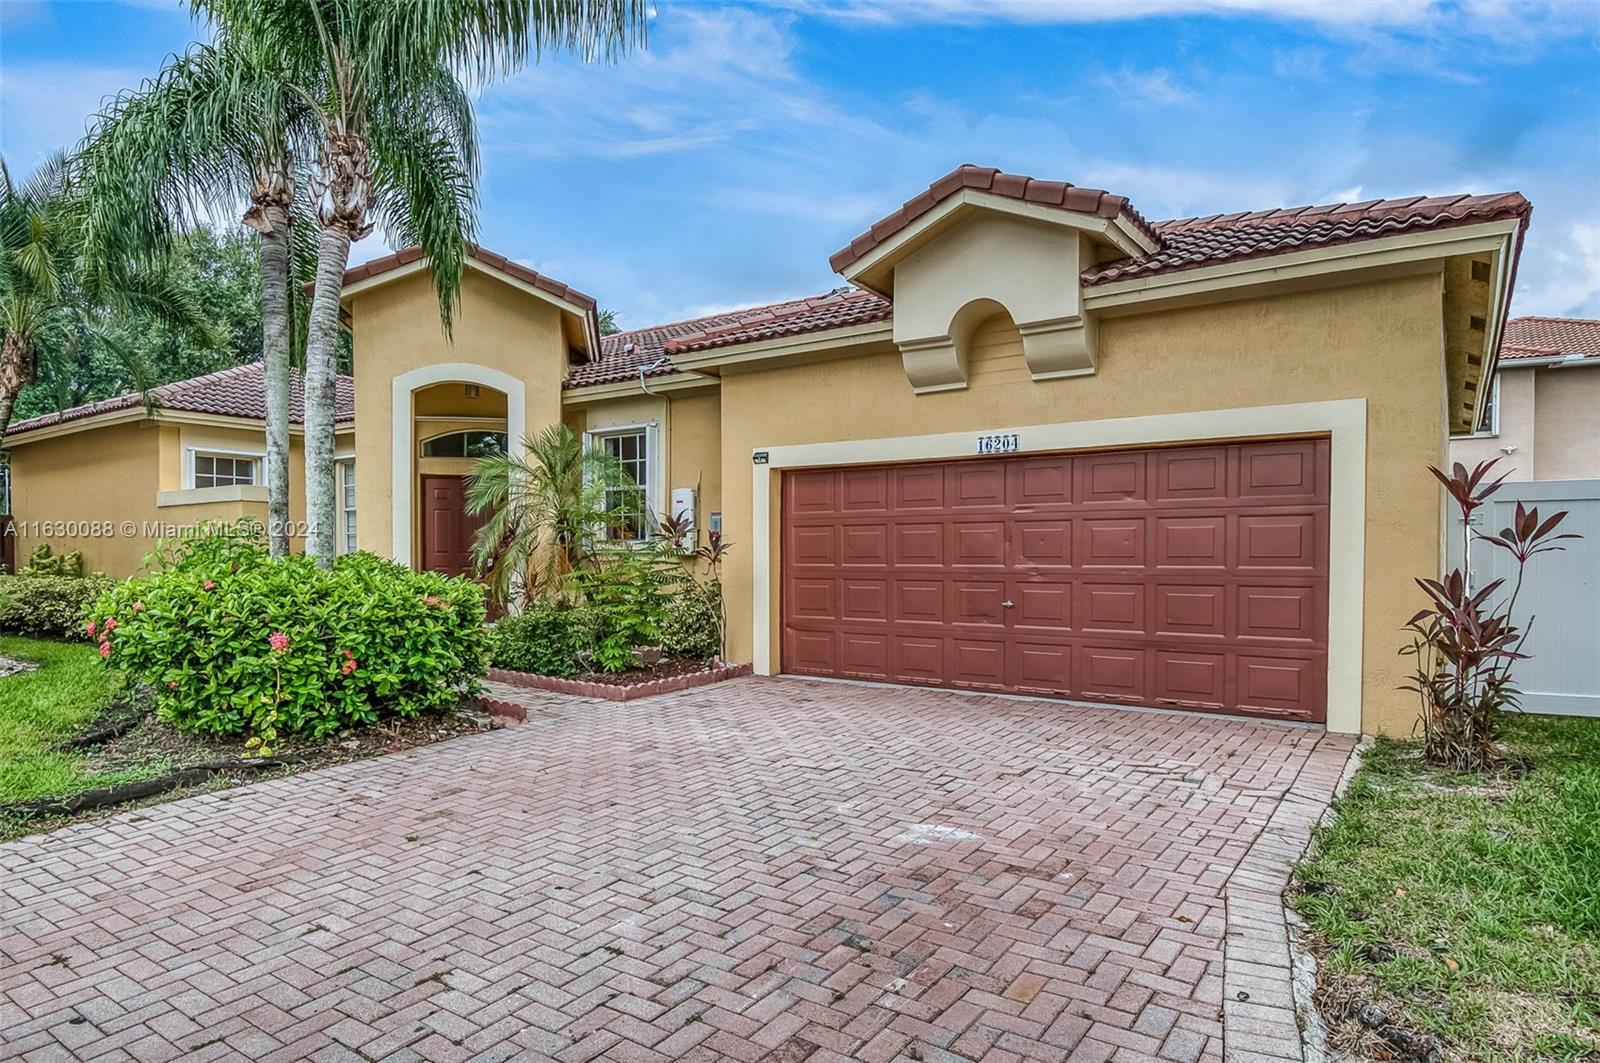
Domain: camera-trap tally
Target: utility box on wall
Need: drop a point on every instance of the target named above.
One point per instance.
(683, 507)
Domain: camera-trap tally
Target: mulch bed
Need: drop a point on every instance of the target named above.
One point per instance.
(129, 737)
(665, 677)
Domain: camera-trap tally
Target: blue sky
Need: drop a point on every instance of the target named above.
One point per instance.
(721, 166)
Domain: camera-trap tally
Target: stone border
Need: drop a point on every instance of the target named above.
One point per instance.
(607, 691)
(1259, 1020)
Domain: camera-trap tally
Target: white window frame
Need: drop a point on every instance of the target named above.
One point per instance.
(191, 454)
(422, 444)
(654, 466)
(345, 465)
(1493, 430)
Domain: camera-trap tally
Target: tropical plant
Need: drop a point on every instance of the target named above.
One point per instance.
(549, 509)
(234, 642)
(54, 302)
(696, 624)
(388, 87)
(1465, 642)
(215, 127)
(543, 639)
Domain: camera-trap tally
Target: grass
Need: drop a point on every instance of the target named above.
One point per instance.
(70, 688)
(1487, 889)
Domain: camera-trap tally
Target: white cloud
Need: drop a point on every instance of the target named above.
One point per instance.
(47, 105)
(1156, 86)
(1563, 279)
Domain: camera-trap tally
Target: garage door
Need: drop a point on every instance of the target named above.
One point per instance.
(1184, 577)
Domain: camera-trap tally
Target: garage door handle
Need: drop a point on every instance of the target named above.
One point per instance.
(1009, 604)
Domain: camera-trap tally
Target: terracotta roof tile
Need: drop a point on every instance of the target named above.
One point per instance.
(987, 179)
(1550, 337)
(236, 392)
(623, 354)
(1189, 243)
(407, 255)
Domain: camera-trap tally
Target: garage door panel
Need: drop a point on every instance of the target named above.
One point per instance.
(814, 599)
(1042, 544)
(1036, 483)
(1111, 542)
(976, 543)
(976, 602)
(1108, 607)
(978, 663)
(1192, 577)
(1040, 668)
(864, 545)
(1282, 542)
(1190, 680)
(864, 599)
(1111, 673)
(1190, 475)
(1191, 542)
(864, 489)
(1110, 479)
(971, 485)
(1191, 609)
(919, 601)
(1280, 612)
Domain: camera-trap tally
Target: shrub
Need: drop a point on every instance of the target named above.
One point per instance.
(53, 606)
(692, 627)
(43, 562)
(546, 639)
(236, 643)
(627, 594)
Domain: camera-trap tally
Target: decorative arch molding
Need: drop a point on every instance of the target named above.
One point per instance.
(402, 434)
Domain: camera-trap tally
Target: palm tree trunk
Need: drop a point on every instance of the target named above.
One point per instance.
(322, 353)
(16, 372)
(269, 216)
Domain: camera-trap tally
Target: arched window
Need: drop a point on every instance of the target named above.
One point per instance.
(474, 443)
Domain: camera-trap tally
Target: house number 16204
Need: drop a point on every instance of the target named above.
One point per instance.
(999, 443)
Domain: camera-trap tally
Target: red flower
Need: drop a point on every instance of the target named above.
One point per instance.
(347, 667)
(105, 649)
(172, 684)
(278, 641)
(111, 623)
(90, 629)
(208, 585)
(138, 607)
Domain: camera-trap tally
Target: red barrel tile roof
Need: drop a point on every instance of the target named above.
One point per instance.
(236, 392)
(1550, 337)
(623, 354)
(407, 255)
(1060, 194)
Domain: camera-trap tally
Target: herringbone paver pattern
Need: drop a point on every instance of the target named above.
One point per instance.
(759, 870)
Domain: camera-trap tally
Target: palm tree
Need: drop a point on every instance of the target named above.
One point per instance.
(387, 83)
(214, 127)
(53, 302)
(548, 511)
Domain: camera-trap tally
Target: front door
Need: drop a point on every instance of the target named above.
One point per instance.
(447, 529)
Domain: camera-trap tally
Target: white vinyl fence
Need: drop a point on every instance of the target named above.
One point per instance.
(1560, 593)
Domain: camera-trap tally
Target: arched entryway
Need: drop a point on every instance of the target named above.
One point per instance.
(446, 417)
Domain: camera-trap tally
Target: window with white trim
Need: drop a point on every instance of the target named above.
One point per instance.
(347, 504)
(633, 451)
(472, 443)
(224, 470)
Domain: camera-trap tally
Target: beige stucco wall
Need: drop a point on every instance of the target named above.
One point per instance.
(1566, 426)
(1380, 341)
(1549, 421)
(689, 424)
(1516, 431)
(396, 329)
(101, 478)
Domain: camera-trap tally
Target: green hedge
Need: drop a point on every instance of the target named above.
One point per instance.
(545, 640)
(236, 643)
(52, 606)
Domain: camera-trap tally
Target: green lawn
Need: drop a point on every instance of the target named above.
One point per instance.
(40, 708)
(1488, 889)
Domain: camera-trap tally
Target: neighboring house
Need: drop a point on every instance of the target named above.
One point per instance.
(1040, 445)
(1543, 417)
(111, 477)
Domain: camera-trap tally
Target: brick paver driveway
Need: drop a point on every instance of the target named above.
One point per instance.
(766, 869)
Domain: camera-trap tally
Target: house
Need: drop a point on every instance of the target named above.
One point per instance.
(1035, 444)
(1543, 415)
(111, 477)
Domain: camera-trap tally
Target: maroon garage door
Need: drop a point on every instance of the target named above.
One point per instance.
(1186, 577)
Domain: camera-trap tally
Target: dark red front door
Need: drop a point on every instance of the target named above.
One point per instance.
(1188, 577)
(447, 530)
